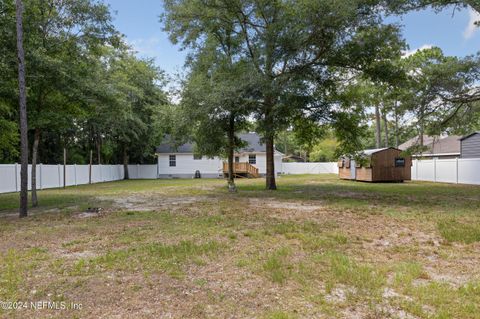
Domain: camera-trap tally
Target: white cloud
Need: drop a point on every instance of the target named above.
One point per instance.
(408, 53)
(146, 47)
(471, 27)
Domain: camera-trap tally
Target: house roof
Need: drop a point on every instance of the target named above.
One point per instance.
(254, 144)
(253, 140)
(170, 148)
(435, 146)
(446, 145)
(469, 135)
(414, 141)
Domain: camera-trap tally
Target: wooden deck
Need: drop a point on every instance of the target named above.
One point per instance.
(242, 170)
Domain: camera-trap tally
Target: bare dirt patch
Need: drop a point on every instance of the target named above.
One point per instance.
(152, 202)
(290, 207)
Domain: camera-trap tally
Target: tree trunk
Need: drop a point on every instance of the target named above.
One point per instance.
(421, 130)
(396, 124)
(36, 141)
(378, 129)
(385, 123)
(23, 211)
(231, 148)
(99, 149)
(271, 183)
(269, 143)
(125, 163)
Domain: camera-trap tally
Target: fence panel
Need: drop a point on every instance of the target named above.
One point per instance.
(462, 170)
(446, 170)
(82, 174)
(309, 168)
(425, 170)
(8, 178)
(50, 176)
(469, 171)
(142, 171)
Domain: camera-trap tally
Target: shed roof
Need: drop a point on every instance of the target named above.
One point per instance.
(254, 145)
(374, 150)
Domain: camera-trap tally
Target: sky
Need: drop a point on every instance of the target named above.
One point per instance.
(138, 20)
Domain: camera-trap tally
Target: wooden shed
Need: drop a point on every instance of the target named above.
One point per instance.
(376, 165)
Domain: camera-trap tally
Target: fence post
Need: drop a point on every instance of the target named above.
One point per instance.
(434, 169)
(59, 176)
(16, 177)
(64, 167)
(138, 171)
(40, 175)
(456, 170)
(75, 173)
(101, 173)
(416, 169)
(90, 168)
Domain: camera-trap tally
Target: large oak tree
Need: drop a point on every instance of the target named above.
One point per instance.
(295, 48)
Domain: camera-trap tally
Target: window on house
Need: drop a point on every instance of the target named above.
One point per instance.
(252, 159)
(172, 160)
(197, 156)
(237, 159)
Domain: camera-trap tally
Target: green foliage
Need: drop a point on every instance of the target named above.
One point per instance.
(296, 52)
(325, 151)
(435, 86)
(131, 110)
(86, 89)
(9, 136)
(215, 100)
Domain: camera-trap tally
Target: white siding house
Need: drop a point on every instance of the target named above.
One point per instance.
(180, 162)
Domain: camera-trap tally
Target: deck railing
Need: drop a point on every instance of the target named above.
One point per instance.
(241, 168)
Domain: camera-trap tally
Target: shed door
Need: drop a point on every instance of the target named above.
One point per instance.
(353, 170)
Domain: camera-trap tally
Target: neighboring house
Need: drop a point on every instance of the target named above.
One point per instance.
(470, 145)
(435, 147)
(415, 141)
(181, 162)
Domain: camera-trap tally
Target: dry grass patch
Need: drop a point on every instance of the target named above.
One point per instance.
(316, 248)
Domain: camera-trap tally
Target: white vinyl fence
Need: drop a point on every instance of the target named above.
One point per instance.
(309, 168)
(51, 176)
(456, 170)
(461, 171)
(142, 171)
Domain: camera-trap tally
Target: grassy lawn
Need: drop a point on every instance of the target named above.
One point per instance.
(316, 248)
